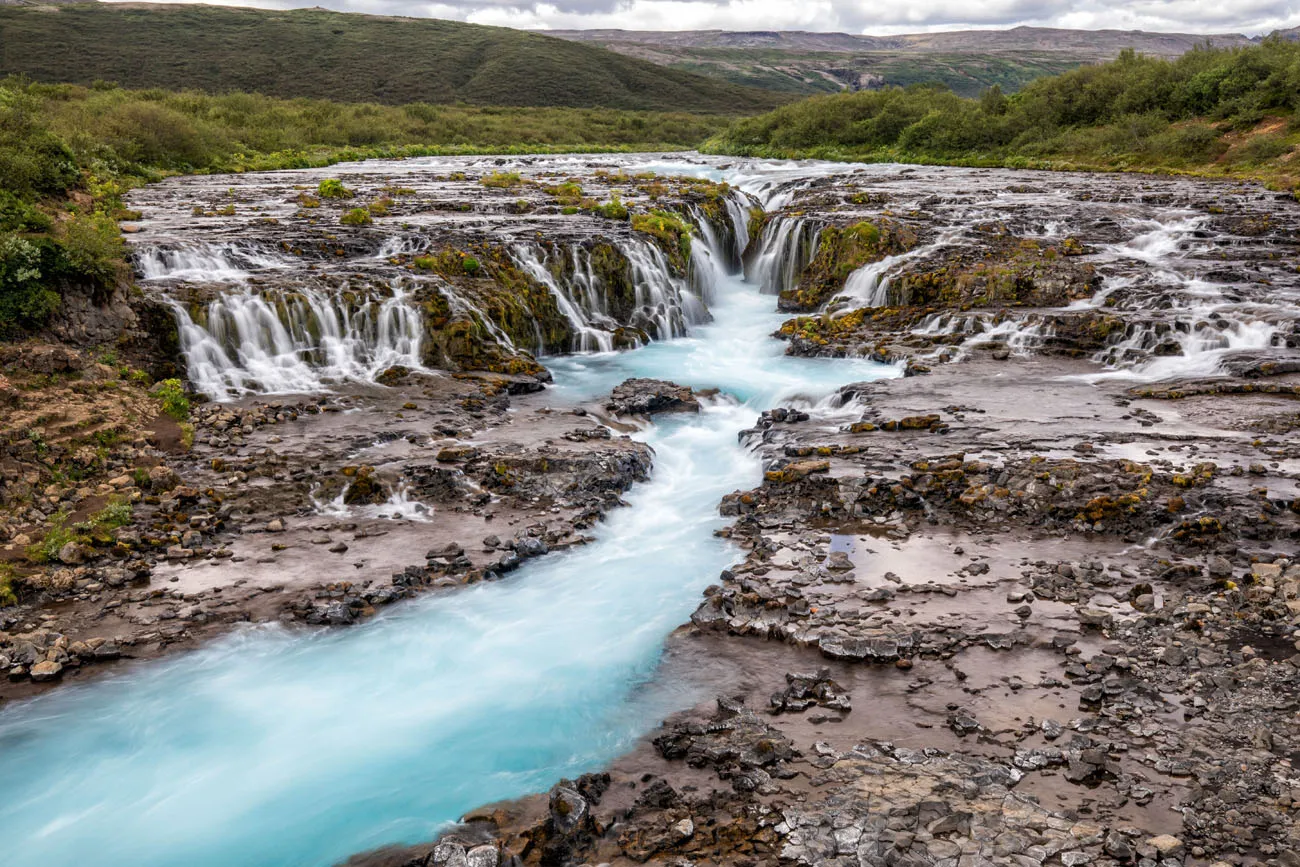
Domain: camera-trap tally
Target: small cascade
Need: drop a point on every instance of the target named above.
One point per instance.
(402, 245)
(1161, 242)
(784, 250)
(399, 506)
(1021, 335)
(213, 263)
(582, 304)
(290, 343)
(868, 286)
(1148, 352)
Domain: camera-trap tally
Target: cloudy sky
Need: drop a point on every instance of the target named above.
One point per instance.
(852, 16)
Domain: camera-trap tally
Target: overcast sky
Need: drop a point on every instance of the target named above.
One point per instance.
(853, 16)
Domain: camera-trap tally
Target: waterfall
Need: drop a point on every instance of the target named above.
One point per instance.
(665, 305)
(785, 249)
(712, 259)
(868, 286)
(738, 211)
(291, 343)
(582, 303)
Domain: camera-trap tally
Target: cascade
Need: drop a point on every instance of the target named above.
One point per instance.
(868, 286)
(231, 262)
(285, 343)
(784, 250)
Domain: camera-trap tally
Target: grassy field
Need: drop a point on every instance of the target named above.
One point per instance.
(344, 58)
(1232, 112)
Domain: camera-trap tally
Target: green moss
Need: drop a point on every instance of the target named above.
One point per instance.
(672, 232)
(502, 180)
(841, 250)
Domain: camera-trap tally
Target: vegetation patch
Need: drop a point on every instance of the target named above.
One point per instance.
(671, 231)
(357, 217)
(332, 188)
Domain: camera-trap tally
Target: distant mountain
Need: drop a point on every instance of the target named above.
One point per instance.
(344, 57)
(968, 61)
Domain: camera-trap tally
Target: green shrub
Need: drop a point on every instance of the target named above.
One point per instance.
(357, 217)
(48, 548)
(380, 207)
(614, 209)
(174, 401)
(8, 586)
(1263, 148)
(93, 246)
(18, 216)
(332, 188)
(1193, 142)
(470, 264)
(26, 300)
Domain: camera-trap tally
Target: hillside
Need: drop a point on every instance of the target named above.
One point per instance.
(806, 73)
(1211, 111)
(344, 57)
(967, 61)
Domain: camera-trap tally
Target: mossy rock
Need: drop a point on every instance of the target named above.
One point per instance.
(841, 250)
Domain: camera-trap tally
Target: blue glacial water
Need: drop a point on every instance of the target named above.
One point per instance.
(290, 747)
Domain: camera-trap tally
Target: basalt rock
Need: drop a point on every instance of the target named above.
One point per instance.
(647, 397)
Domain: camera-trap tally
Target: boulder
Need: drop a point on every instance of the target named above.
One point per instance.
(651, 396)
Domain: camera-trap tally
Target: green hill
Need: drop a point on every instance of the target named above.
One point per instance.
(344, 57)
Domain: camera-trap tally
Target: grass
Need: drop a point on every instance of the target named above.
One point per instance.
(345, 58)
(95, 529)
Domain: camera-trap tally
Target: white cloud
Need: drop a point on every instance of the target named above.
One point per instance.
(852, 16)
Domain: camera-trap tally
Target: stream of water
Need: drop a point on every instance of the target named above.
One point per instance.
(284, 747)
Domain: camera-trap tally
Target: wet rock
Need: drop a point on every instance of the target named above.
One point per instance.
(807, 690)
(648, 397)
(878, 650)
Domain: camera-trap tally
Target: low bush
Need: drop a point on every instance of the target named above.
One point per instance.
(332, 188)
(357, 217)
(174, 401)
